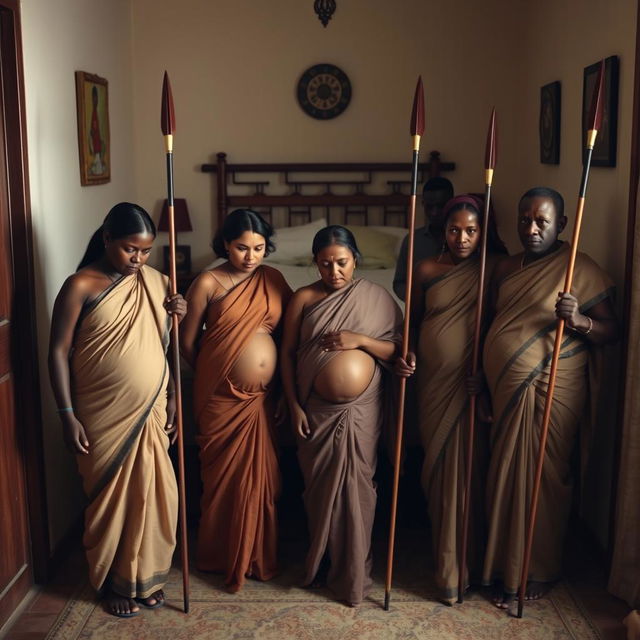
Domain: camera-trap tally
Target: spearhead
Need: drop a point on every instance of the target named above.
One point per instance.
(594, 121)
(167, 119)
(491, 149)
(416, 128)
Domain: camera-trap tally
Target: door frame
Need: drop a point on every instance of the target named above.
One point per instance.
(24, 346)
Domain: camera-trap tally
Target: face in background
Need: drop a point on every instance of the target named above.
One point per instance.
(462, 234)
(433, 203)
(246, 252)
(539, 226)
(336, 265)
(126, 255)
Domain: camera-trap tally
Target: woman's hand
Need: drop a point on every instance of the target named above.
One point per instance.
(475, 384)
(74, 435)
(568, 308)
(405, 368)
(340, 341)
(171, 426)
(300, 422)
(176, 305)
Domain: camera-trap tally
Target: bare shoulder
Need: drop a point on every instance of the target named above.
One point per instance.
(427, 269)
(305, 296)
(505, 266)
(85, 283)
(207, 285)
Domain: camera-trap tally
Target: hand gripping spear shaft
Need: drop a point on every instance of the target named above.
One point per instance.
(594, 123)
(416, 130)
(168, 127)
(489, 164)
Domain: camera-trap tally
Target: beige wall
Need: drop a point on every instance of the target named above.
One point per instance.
(60, 37)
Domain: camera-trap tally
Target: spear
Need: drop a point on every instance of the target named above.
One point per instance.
(489, 165)
(416, 130)
(168, 125)
(594, 123)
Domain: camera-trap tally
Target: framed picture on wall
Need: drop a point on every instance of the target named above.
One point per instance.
(604, 151)
(550, 104)
(92, 101)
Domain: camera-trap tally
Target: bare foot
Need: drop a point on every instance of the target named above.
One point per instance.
(537, 590)
(500, 597)
(154, 601)
(120, 606)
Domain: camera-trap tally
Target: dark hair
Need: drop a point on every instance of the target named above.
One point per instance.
(543, 192)
(494, 241)
(438, 184)
(335, 234)
(125, 219)
(235, 224)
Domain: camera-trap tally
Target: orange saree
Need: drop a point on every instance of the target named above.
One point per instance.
(239, 467)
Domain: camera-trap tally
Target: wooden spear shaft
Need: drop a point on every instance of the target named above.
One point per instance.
(490, 162)
(416, 129)
(168, 126)
(595, 120)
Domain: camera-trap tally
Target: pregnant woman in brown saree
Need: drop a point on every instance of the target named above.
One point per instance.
(240, 303)
(339, 332)
(444, 299)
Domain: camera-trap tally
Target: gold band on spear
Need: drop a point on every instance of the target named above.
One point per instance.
(168, 125)
(416, 130)
(594, 123)
(489, 164)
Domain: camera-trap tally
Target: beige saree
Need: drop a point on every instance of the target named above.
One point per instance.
(119, 380)
(444, 361)
(339, 459)
(517, 354)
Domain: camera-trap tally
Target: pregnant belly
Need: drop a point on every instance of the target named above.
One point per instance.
(256, 364)
(345, 376)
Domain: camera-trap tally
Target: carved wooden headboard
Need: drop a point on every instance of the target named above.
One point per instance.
(364, 190)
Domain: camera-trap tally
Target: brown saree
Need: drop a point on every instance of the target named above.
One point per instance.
(517, 355)
(338, 460)
(239, 467)
(444, 361)
(119, 380)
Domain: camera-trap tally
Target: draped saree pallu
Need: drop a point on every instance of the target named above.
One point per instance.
(517, 356)
(241, 480)
(119, 380)
(444, 360)
(338, 460)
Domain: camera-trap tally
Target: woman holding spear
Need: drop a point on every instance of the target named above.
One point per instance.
(517, 353)
(443, 310)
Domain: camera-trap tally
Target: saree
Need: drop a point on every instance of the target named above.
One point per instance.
(339, 458)
(517, 356)
(444, 360)
(119, 379)
(239, 467)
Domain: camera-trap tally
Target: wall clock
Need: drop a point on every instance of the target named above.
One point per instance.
(324, 91)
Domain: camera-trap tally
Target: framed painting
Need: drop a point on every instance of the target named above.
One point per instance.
(92, 100)
(604, 151)
(550, 109)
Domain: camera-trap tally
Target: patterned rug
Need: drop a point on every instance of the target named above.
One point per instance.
(280, 610)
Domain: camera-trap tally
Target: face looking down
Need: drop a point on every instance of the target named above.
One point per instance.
(335, 265)
(246, 252)
(126, 255)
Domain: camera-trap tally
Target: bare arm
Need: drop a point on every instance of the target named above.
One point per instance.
(384, 350)
(290, 338)
(200, 293)
(599, 325)
(66, 312)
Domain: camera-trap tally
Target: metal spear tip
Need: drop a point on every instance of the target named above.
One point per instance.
(167, 119)
(594, 121)
(417, 112)
(492, 147)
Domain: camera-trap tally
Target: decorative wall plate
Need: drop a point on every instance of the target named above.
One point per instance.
(324, 91)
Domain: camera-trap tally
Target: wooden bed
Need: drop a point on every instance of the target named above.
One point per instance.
(305, 196)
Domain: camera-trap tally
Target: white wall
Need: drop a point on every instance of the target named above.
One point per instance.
(59, 38)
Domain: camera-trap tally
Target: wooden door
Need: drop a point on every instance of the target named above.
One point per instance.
(23, 521)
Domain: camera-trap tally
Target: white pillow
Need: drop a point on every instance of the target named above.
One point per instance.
(293, 242)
